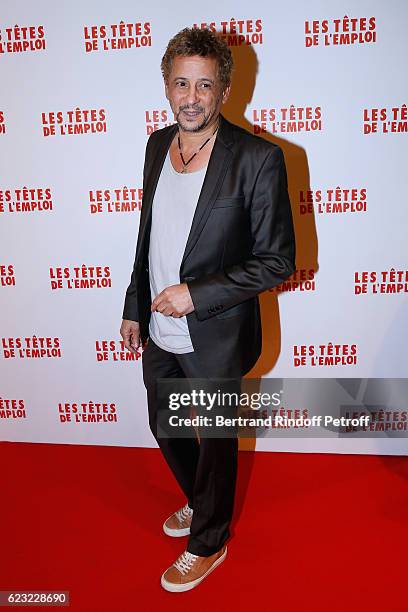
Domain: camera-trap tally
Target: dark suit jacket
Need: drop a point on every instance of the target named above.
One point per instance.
(241, 243)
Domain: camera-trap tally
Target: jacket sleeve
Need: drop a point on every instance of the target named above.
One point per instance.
(130, 309)
(273, 249)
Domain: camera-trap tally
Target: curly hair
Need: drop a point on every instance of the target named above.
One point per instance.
(203, 42)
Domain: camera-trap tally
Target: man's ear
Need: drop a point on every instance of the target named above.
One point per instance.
(226, 93)
(166, 89)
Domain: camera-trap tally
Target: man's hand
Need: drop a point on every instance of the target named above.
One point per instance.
(174, 301)
(130, 332)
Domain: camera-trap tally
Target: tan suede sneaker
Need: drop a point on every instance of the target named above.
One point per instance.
(178, 524)
(189, 570)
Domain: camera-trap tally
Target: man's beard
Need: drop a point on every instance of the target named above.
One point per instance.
(194, 128)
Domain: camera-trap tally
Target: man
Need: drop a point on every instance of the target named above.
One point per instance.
(215, 231)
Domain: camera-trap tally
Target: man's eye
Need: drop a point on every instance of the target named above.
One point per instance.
(181, 83)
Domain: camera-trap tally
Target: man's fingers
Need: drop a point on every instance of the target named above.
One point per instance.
(127, 340)
(160, 304)
(131, 336)
(167, 311)
(135, 341)
(164, 307)
(173, 301)
(157, 302)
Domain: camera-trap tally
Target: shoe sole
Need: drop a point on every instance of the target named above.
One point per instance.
(176, 533)
(180, 588)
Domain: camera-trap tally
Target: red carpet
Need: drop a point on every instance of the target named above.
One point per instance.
(311, 532)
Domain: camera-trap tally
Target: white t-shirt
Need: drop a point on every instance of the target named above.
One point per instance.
(173, 208)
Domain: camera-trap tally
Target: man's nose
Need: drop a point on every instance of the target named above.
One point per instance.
(192, 95)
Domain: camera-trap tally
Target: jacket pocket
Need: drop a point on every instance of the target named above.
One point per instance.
(228, 202)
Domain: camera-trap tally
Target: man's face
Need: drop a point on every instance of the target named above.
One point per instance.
(194, 91)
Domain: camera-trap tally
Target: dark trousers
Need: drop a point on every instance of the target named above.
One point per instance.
(205, 469)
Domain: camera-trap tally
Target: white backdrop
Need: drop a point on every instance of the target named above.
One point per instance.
(81, 88)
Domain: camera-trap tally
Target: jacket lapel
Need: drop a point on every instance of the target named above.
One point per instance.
(218, 163)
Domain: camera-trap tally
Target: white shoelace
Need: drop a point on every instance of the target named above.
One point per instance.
(185, 562)
(184, 513)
